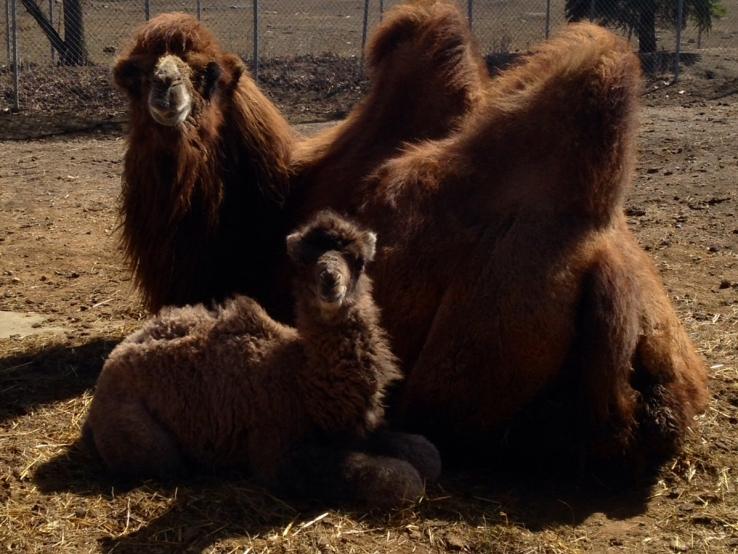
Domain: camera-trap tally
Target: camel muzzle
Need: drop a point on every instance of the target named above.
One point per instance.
(169, 101)
(331, 286)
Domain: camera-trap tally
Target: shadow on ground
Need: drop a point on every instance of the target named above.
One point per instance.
(208, 509)
(205, 508)
(49, 373)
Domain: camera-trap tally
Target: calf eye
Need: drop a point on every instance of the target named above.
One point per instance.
(359, 263)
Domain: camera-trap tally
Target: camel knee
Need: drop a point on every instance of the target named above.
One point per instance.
(131, 443)
(672, 391)
(414, 449)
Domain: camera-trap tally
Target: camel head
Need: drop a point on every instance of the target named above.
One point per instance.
(175, 72)
(330, 255)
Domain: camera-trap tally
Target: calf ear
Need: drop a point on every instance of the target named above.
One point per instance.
(127, 76)
(293, 247)
(370, 245)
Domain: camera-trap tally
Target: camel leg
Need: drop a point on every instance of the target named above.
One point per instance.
(493, 347)
(669, 374)
(608, 329)
(344, 475)
(641, 380)
(131, 443)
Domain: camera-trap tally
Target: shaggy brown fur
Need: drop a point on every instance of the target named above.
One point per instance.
(232, 387)
(193, 190)
(507, 273)
(507, 268)
(426, 75)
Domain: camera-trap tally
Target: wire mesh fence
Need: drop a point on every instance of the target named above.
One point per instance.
(55, 55)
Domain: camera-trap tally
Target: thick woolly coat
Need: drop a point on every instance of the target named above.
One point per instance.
(233, 388)
(507, 274)
(191, 193)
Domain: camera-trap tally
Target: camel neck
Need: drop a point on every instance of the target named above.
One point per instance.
(348, 366)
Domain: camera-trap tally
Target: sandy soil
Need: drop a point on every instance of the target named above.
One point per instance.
(58, 258)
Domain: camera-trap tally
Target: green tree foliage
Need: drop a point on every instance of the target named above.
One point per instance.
(642, 16)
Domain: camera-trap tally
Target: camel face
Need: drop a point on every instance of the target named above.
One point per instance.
(330, 255)
(332, 277)
(174, 72)
(170, 101)
(173, 89)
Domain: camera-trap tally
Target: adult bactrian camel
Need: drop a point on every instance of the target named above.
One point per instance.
(507, 277)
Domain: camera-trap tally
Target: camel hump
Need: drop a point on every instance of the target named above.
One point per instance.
(582, 87)
(434, 29)
(603, 76)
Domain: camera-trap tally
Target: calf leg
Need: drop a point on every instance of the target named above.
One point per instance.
(131, 443)
(336, 474)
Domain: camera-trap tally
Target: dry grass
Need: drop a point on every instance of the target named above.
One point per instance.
(53, 496)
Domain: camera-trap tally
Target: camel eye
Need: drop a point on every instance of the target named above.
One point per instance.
(210, 79)
(358, 263)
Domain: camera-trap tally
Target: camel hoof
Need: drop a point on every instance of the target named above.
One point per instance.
(389, 483)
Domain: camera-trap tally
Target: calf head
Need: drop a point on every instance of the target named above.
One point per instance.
(330, 255)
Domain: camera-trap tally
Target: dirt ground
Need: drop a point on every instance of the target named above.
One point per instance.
(71, 301)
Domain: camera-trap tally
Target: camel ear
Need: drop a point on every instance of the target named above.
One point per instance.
(370, 245)
(127, 76)
(293, 246)
(235, 66)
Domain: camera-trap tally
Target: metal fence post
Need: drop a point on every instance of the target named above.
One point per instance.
(470, 12)
(16, 64)
(199, 10)
(548, 17)
(680, 22)
(256, 40)
(147, 9)
(7, 31)
(381, 10)
(51, 22)
(364, 31)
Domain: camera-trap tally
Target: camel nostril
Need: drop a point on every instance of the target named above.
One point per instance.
(169, 105)
(329, 284)
(329, 278)
(160, 103)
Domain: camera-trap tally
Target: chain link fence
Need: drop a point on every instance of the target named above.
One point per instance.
(55, 55)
